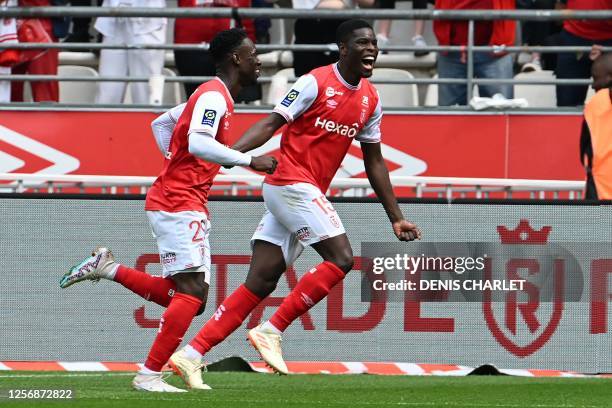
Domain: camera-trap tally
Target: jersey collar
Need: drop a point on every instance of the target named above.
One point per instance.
(226, 89)
(349, 86)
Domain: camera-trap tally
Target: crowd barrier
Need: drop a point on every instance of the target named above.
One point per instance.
(41, 238)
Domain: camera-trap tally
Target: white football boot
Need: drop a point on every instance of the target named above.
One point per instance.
(153, 383)
(268, 344)
(100, 264)
(189, 369)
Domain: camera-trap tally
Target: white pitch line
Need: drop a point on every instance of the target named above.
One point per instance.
(68, 375)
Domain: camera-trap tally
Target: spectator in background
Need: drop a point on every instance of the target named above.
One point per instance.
(580, 33)
(36, 62)
(486, 64)
(127, 31)
(537, 33)
(384, 26)
(80, 25)
(596, 135)
(8, 57)
(202, 31)
(319, 31)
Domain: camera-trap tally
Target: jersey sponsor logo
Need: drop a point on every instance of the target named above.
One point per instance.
(209, 117)
(339, 128)
(291, 96)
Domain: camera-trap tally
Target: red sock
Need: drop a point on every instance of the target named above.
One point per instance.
(309, 291)
(228, 317)
(153, 288)
(172, 327)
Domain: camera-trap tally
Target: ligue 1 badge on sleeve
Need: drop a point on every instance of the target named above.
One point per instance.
(209, 117)
(291, 96)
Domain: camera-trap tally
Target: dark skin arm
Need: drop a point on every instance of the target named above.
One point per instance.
(378, 175)
(259, 133)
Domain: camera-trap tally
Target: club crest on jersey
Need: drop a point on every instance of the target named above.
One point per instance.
(330, 91)
(291, 96)
(209, 117)
(365, 101)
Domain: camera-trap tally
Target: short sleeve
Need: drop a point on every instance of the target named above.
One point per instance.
(208, 112)
(301, 96)
(371, 131)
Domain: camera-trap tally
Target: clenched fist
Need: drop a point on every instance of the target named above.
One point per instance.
(406, 231)
(263, 163)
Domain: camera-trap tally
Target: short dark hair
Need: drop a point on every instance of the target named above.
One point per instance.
(345, 29)
(225, 43)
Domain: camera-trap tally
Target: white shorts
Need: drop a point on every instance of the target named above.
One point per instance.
(182, 239)
(296, 215)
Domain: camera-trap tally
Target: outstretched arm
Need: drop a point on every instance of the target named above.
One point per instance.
(379, 179)
(259, 133)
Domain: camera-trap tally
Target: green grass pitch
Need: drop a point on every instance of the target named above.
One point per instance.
(243, 390)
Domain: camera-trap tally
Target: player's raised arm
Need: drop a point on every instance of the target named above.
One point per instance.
(299, 98)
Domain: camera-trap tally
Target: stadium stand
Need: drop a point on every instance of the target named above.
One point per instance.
(77, 92)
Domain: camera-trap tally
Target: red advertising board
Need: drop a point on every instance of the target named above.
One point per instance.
(479, 145)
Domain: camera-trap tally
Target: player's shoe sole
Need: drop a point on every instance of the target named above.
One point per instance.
(91, 268)
(268, 346)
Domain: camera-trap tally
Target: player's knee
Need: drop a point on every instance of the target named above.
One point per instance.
(262, 286)
(344, 261)
(195, 287)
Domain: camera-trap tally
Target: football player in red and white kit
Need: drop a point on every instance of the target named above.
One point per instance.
(176, 204)
(324, 111)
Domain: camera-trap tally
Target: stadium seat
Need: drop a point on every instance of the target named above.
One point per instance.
(173, 91)
(538, 96)
(77, 92)
(279, 86)
(431, 96)
(396, 95)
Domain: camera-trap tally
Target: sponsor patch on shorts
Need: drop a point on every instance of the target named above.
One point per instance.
(209, 117)
(168, 258)
(291, 96)
(303, 233)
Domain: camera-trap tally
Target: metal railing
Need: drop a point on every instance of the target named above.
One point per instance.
(442, 187)
(470, 15)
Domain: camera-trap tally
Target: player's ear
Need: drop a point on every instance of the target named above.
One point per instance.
(236, 58)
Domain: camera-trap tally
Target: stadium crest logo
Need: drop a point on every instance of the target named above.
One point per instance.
(522, 328)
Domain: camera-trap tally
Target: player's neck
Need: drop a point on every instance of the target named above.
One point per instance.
(347, 75)
(231, 82)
